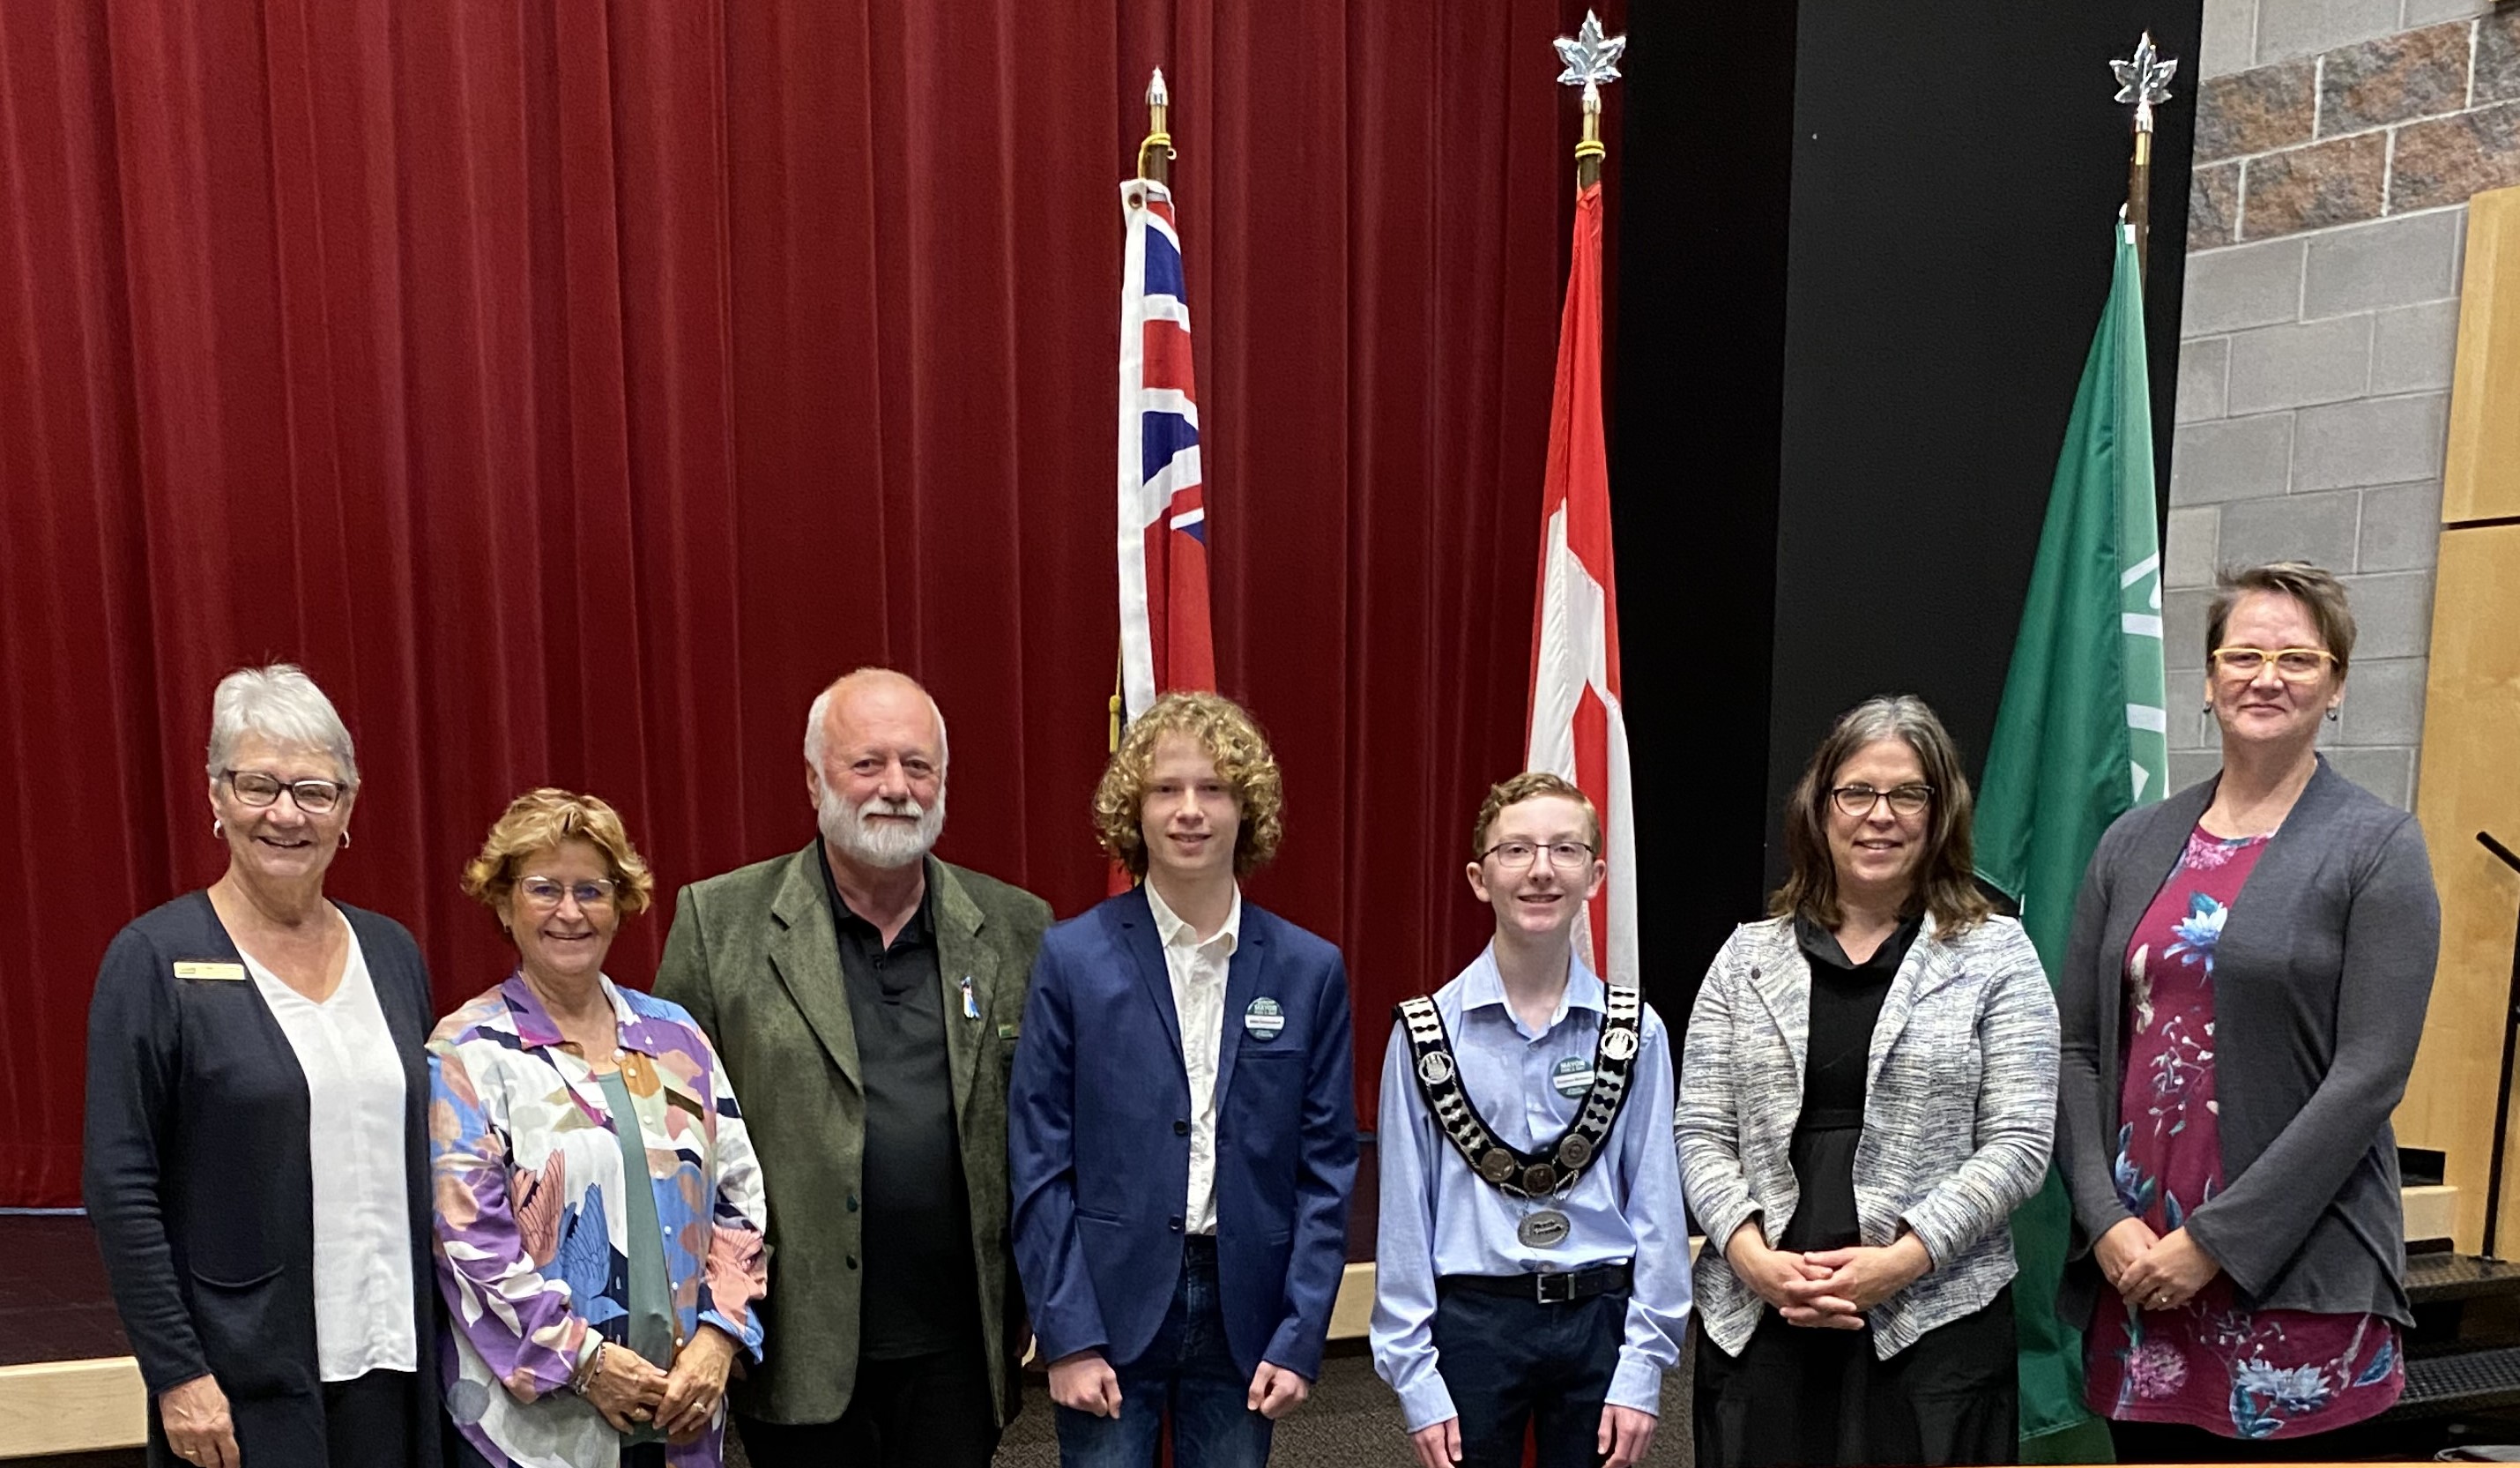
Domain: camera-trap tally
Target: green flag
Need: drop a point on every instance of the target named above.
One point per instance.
(2081, 739)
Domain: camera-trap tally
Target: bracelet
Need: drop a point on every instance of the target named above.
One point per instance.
(592, 1368)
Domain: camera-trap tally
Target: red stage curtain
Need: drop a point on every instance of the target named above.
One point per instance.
(574, 389)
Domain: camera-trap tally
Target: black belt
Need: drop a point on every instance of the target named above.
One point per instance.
(1560, 1287)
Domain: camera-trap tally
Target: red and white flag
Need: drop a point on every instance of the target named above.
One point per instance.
(1577, 728)
(1165, 640)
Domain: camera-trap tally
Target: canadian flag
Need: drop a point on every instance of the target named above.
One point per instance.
(1578, 729)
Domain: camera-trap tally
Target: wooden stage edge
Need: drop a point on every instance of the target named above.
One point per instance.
(96, 1405)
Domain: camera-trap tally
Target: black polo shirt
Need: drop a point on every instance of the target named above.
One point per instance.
(919, 1293)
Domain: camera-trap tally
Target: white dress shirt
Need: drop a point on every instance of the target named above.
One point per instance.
(1197, 973)
(354, 1140)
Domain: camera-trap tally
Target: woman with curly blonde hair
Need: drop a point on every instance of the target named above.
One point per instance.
(599, 1210)
(1181, 1129)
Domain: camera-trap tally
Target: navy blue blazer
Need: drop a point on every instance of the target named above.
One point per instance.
(200, 1185)
(1097, 1140)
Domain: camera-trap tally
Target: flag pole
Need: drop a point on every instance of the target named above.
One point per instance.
(1154, 165)
(2145, 80)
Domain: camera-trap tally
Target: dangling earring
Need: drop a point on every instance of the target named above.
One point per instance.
(345, 838)
(218, 829)
(2331, 712)
(2204, 720)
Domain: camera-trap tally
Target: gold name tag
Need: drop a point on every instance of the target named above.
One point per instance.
(193, 968)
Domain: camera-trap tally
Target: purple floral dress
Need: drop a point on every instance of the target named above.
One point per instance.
(2212, 1363)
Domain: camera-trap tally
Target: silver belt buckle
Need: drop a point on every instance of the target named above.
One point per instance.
(1564, 1293)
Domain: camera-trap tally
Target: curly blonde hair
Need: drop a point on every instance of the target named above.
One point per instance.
(1243, 761)
(541, 819)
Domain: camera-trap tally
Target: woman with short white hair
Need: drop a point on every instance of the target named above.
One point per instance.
(256, 1158)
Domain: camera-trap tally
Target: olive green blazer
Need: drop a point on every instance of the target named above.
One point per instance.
(754, 957)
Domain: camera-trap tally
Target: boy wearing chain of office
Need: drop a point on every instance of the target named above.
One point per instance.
(1532, 1266)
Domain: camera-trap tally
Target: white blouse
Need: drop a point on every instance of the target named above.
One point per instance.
(354, 1140)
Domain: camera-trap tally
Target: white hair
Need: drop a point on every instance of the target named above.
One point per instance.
(282, 705)
(821, 707)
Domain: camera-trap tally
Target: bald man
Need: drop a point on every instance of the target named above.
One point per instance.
(864, 999)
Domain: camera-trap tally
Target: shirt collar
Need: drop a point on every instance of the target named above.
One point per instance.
(1177, 932)
(918, 929)
(535, 1025)
(1483, 987)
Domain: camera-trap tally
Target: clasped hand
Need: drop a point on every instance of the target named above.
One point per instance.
(2149, 1271)
(1825, 1289)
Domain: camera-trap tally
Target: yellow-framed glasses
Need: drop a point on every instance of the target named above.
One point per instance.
(2296, 664)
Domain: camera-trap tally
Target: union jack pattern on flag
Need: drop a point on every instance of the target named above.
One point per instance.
(1165, 641)
(1578, 727)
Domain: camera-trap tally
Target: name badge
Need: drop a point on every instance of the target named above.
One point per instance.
(199, 968)
(1263, 1020)
(1574, 1077)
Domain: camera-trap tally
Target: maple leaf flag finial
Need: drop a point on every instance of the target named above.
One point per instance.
(2142, 79)
(1591, 59)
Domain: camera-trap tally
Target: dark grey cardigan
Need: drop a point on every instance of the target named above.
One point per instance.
(2320, 979)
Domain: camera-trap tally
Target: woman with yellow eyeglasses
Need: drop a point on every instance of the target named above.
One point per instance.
(2241, 1000)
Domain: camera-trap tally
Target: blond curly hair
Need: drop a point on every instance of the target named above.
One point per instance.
(541, 819)
(1243, 761)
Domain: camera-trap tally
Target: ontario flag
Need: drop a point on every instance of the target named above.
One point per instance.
(1165, 642)
(1577, 728)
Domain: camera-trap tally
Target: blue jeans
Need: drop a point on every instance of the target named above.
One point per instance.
(1187, 1367)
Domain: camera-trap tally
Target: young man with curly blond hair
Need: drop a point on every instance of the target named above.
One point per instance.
(1181, 1129)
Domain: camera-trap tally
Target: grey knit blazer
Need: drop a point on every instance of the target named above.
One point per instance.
(1959, 1111)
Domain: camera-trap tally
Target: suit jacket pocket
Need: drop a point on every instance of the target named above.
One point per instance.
(247, 1335)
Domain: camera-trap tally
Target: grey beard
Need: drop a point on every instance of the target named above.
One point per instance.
(884, 847)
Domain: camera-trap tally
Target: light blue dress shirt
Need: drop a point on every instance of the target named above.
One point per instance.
(1438, 1217)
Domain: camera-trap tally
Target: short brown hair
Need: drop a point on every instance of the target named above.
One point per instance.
(541, 819)
(1946, 880)
(1531, 785)
(1243, 761)
(2315, 587)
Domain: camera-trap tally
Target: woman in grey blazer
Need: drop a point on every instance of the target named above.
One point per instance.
(2243, 996)
(1866, 1092)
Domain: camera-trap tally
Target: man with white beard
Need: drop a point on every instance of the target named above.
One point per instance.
(864, 999)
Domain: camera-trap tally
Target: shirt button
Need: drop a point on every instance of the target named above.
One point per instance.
(853, 1203)
(1172, 1223)
(1180, 1127)
(853, 1260)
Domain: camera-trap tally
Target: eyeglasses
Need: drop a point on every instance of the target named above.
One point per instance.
(546, 892)
(1514, 855)
(2297, 664)
(1857, 800)
(255, 789)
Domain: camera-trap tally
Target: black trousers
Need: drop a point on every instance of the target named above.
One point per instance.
(1809, 1398)
(1513, 1363)
(915, 1412)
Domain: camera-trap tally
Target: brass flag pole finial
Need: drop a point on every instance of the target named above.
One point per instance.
(1156, 153)
(1591, 59)
(2143, 79)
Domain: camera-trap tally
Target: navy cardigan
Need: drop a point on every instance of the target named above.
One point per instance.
(199, 1181)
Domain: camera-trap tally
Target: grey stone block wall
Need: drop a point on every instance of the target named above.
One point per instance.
(2312, 417)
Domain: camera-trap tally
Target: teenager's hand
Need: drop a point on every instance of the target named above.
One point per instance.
(1438, 1446)
(1083, 1382)
(1276, 1391)
(1625, 1436)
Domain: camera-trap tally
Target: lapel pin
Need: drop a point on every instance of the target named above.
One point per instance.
(970, 999)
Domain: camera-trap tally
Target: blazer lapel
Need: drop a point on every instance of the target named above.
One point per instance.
(1926, 968)
(961, 958)
(805, 954)
(1781, 979)
(1136, 923)
(1243, 974)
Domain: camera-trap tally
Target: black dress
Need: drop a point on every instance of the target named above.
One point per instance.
(1799, 1395)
